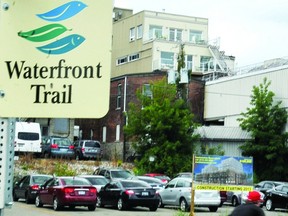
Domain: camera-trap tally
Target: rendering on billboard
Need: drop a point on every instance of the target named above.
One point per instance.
(223, 173)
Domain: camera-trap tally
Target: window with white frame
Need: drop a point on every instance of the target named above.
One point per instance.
(189, 62)
(119, 94)
(104, 134)
(134, 57)
(167, 60)
(195, 36)
(122, 60)
(204, 63)
(155, 31)
(117, 132)
(139, 31)
(175, 34)
(132, 34)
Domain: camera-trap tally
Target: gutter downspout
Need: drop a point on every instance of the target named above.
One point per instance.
(125, 117)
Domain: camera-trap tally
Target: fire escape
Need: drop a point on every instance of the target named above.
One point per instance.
(217, 66)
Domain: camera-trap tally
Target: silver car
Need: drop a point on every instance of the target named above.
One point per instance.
(177, 192)
(97, 181)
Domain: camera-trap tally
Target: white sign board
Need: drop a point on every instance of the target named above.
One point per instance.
(55, 58)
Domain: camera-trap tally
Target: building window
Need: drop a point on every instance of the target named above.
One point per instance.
(132, 34)
(147, 90)
(175, 34)
(117, 132)
(204, 63)
(195, 36)
(139, 31)
(104, 134)
(122, 60)
(167, 60)
(119, 93)
(134, 57)
(155, 32)
(189, 62)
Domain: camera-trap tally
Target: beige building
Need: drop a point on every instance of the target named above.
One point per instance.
(149, 41)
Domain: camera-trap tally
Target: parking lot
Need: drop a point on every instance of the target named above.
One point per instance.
(21, 208)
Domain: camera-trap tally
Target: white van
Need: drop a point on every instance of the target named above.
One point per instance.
(27, 138)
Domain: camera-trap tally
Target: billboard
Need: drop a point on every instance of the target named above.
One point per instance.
(55, 58)
(227, 173)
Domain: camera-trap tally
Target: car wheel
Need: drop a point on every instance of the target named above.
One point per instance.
(38, 202)
(27, 199)
(99, 202)
(269, 205)
(153, 208)
(213, 208)
(15, 198)
(183, 205)
(56, 205)
(120, 204)
(160, 205)
(91, 207)
(235, 201)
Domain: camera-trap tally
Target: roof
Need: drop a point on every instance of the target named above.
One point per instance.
(222, 133)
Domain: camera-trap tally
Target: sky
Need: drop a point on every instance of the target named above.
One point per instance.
(251, 30)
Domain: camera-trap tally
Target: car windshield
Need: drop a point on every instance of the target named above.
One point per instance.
(92, 144)
(134, 184)
(62, 142)
(121, 174)
(40, 179)
(162, 177)
(75, 181)
(98, 181)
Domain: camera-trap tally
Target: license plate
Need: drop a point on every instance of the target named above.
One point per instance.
(81, 192)
(145, 193)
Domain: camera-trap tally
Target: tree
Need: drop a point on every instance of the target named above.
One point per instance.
(266, 121)
(161, 127)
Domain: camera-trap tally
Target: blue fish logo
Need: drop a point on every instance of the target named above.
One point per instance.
(63, 12)
(63, 45)
(53, 30)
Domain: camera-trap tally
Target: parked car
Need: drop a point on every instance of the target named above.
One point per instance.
(87, 149)
(240, 197)
(162, 177)
(113, 173)
(223, 194)
(263, 186)
(184, 174)
(55, 146)
(153, 182)
(97, 181)
(67, 191)
(125, 194)
(178, 193)
(276, 197)
(28, 186)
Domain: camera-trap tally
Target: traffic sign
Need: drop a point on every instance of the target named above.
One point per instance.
(55, 58)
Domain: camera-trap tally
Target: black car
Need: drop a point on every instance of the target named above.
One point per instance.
(125, 194)
(263, 186)
(277, 197)
(28, 186)
(87, 149)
